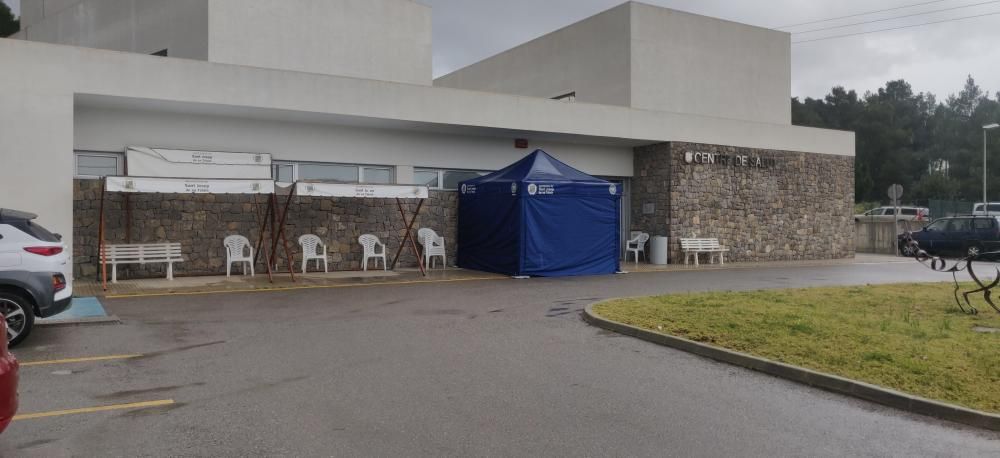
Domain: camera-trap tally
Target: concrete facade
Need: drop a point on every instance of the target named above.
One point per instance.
(590, 58)
(376, 39)
(64, 99)
(111, 130)
(652, 58)
(138, 26)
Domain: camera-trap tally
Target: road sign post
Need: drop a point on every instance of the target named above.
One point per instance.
(896, 193)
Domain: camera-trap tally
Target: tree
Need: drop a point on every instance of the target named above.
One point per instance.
(9, 25)
(933, 149)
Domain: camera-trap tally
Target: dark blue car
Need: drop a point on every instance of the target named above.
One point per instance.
(957, 236)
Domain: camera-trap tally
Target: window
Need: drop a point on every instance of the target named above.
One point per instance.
(283, 173)
(454, 178)
(908, 212)
(376, 175)
(938, 225)
(289, 172)
(427, 178)
(444, 179)
(960, 225)
(983, 223)
(97, 165)
(568, 97)
(329, 172)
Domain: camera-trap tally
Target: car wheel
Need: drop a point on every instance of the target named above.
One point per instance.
(907, 250)
(19, 316)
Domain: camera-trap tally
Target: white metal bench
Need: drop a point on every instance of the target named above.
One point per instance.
(147, 253)
(694, 247)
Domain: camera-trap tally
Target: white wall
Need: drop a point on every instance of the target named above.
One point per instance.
(140, 26)
(648, 57)
(100, 129)
(33, 11)
(687, 63)
(37, 115)
(378, 39)
(590, 58)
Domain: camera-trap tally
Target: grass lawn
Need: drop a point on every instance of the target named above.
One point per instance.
(909, 337)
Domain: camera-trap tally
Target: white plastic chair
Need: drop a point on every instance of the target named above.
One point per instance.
(636, 246)
(433, 247)
(369, 242)
(313, 249)
(236, 245)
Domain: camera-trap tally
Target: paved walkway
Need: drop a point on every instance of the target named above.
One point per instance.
(283, 281)
(478, 368)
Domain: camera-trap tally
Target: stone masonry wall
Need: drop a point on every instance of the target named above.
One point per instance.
(799, 206)
(200, 222)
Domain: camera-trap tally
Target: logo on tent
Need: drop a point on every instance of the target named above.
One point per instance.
(613, 189)
(464, 188)
(513, 188)
(532, 189)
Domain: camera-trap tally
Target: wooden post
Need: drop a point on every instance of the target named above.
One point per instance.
(281, 234)
(100, 236)
(262, 223)
(409, 236)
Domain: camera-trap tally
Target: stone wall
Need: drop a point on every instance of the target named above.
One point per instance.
(795, 206)
(200, 222)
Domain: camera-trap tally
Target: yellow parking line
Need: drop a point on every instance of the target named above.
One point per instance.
(58, 413)
(77, 360)
(294, 288)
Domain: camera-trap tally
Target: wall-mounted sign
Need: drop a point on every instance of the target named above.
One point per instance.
(168, 163)
(735, 160)
(188, 185)
(376, 191)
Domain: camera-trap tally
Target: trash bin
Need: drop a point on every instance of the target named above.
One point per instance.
(658, 250)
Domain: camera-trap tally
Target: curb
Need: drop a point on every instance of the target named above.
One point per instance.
(99, 320)
(836, 384)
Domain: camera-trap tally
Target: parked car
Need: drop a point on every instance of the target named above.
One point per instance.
(978, 209)
(8, 382)
(35, 277)
(885, 214)
(957, 236)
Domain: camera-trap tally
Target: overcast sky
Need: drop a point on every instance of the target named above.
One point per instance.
(932, 58)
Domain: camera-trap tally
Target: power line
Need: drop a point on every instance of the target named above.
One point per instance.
(896, 17)
(860, 14)
(896, 28)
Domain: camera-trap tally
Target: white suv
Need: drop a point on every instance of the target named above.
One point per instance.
(35, 273)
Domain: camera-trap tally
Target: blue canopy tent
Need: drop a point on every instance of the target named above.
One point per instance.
(539, 217)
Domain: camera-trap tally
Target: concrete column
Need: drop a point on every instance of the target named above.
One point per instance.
(36, 157)
(404, 174)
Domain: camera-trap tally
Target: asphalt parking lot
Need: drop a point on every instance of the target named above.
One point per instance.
(479, 368)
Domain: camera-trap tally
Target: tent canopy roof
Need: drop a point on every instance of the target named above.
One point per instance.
(540, 175)
(537, 167)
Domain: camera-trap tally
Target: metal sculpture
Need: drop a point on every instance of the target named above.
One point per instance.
(910, 247)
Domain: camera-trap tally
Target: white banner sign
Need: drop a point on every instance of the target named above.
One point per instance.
(154, 162)
(188, 185)
(377, 191)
